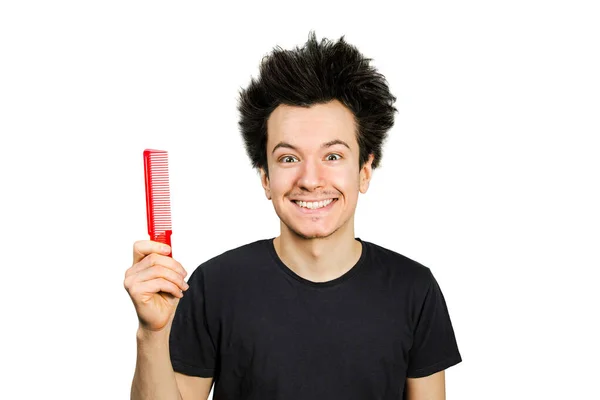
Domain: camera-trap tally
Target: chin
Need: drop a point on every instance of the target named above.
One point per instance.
(306, 227)
(308, 236)
(308, 233)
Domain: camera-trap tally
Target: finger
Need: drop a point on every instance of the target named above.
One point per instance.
(142, 248)
(157, 259)
(159, 271)
(164, 285)
(159, 285)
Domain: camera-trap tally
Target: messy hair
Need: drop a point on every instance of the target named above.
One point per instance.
(314, 74)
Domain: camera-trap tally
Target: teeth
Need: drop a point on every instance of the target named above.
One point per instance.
(313, 205)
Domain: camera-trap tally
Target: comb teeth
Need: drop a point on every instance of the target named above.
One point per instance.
(158, 202)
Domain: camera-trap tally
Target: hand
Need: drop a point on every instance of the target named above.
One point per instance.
(155, 283)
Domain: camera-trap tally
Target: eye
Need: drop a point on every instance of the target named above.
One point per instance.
(333, 157)
(288, 159)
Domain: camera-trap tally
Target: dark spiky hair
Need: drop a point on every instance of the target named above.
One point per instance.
(315, 74)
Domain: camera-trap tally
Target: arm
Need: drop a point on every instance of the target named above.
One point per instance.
(432, 387)
(154, 377)
(193, 387)
(434, 347)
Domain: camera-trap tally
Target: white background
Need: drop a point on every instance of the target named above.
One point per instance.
(489, 176)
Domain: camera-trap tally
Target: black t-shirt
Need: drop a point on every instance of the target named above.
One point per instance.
(263, 332)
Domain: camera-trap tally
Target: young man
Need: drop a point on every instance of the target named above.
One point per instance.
(314, 313)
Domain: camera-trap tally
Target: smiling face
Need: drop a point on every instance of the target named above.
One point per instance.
(313, 162)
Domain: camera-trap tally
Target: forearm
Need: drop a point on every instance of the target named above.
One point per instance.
(154, 377)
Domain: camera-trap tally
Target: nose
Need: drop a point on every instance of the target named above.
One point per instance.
(311, 175)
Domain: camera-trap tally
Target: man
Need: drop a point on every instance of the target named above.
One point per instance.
(314, 313)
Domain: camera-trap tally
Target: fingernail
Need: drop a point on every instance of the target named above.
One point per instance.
(166, 249)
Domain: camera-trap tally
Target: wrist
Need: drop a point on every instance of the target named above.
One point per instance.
(148, 335)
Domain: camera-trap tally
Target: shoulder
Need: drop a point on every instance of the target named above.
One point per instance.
(398, 265)
(238, 255)
(233, 260)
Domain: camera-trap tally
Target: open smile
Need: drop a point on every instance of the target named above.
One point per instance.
(311, 207)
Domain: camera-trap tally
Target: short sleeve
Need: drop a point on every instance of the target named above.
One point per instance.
(191, 346)
(434, 344)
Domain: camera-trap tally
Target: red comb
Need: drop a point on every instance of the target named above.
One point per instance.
(158, 201)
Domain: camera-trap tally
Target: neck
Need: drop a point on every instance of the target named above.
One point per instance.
(320, 259)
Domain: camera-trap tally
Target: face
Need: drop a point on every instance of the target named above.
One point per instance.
(313, 162)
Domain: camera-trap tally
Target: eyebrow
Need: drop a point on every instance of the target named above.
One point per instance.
(324, 145)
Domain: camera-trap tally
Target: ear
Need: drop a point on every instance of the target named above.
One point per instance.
(264, 179)
(366, 172)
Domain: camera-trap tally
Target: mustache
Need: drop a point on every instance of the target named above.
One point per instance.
(313, 195)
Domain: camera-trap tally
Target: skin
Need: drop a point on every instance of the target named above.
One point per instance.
(312, 154)
(155, 283)
(432, 387)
